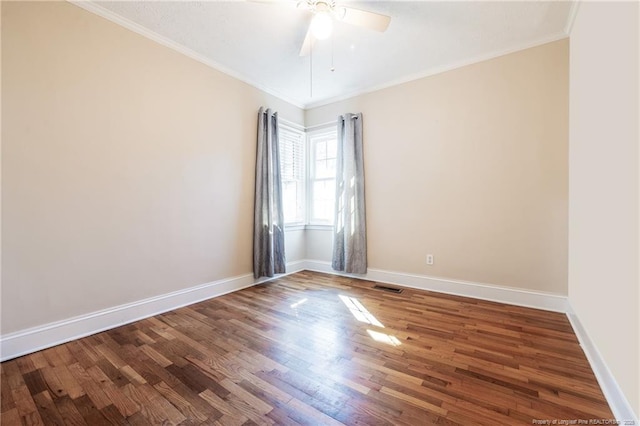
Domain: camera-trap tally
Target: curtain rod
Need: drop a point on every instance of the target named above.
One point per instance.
(327, 124)
(319, 126)
(314, 127)
(285, 121)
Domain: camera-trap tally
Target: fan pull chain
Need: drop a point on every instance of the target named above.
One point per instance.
(332, 67)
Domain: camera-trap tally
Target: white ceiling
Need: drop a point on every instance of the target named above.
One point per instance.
(259, 43)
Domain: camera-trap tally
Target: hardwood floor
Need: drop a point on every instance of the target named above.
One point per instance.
(314, 349)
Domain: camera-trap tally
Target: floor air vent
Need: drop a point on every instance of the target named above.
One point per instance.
(385, 288)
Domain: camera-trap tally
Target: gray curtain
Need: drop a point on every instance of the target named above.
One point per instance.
(350, 236)
(268, 228)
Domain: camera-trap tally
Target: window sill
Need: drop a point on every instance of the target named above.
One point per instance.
(302, 227)
(319, 227)
(295, 227)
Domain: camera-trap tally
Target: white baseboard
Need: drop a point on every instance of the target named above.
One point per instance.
(27, 341)
(618, 403)
(45, 336)
(509, 295)
(552, 302)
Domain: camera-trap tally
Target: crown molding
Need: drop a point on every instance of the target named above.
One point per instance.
(96, 9)
(439, 70)
(145, 32)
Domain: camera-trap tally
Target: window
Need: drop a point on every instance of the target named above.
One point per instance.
(292, 143)
(322, 176)
(308, 195)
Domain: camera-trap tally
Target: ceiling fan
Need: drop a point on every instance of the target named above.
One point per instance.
(325, 12)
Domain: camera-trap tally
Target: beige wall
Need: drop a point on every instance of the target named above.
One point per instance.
(0, 168)
(603, 196)
(470, 166)
(127, 168)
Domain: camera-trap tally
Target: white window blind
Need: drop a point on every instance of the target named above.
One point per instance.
(292, 161)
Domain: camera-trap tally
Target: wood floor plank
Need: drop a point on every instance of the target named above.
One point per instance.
(92, 389)
(11, 417)
(88, 411)
(23, 400)
(47, 409)
(32, 419)
(125, 405)
(311, 349)
(7, 402)
(188, 410)
(69, 412)
(114, 416)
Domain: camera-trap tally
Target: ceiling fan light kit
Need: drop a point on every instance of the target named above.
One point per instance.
(321, 25)
(325, 12)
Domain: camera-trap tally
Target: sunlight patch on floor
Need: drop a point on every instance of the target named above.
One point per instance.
(298, 303)
(384, 338)
(358, 310)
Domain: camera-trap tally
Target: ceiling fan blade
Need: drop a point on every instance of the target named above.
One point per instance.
(304, 4)
(308, 42)
(362, 18)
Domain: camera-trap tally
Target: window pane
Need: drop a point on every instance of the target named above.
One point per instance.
(332, 148)
(325, 169)
(322, 175)
(323, 200)
(321, 150)
(321, 170)
(290, 201)
(331, 167)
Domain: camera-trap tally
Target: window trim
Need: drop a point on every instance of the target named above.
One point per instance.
(329, 130)
(291, 127)
(307, 133)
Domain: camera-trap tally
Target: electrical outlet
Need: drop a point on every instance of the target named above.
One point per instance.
(429, 259)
